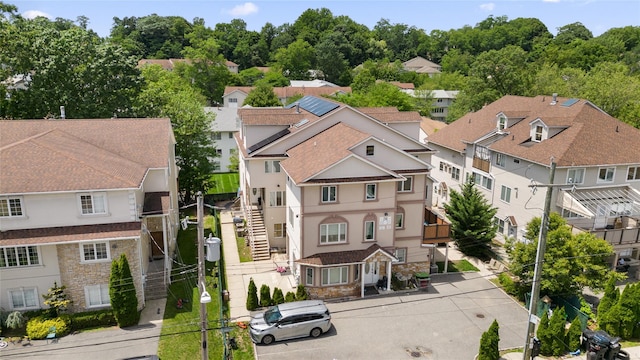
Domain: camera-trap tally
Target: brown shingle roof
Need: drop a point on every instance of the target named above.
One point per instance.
(70, 234)
(156, 203)
(342, 257)
(591, 137)
(289, 91)
(71, 155)
(273, 116)
(333, 144)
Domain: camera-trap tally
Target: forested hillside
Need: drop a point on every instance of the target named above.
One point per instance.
(66, 63)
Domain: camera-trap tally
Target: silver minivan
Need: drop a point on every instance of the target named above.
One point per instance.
(290, 320)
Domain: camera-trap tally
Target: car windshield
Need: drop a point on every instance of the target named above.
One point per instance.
(272, 315)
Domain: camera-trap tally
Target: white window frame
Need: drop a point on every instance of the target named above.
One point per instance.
(11, 207)
(103, 293)
(500, 223)
(277, 198)
(17, 250)
(405, 185)
(94, 198)
(633, 173)
(372, 226)
(501, 160)
(401, 255)
(538, 133)
(329, 274)
(482, 181)
(571, 175)
(370, 150)
(271, 166)
(326, 194)
(502, 122)
(94, 245)
(609, 174)
(505, 194)
(279, 229)
(216, 135)
(233, 100)
(455, 173)
(367, 195)
(329, 230)
(21, 292)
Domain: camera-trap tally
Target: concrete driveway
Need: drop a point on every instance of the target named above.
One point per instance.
(445, 323)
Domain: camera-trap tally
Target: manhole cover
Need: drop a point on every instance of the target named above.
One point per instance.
(480, 316)
(415, 354)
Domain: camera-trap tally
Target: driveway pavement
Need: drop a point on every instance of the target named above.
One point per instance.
(444, 323)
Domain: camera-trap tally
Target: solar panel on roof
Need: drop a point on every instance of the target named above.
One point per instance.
(314, 105)
(570, 102)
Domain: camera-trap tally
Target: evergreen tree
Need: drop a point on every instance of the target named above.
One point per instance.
(489, 343)
(301, 293)
(609, 299)
(544, 335)
(57, 300)
(290, 297)
(252, 296)
(557, 331)
(122, 293)
(471, 216)
(265, 295)
(573, 335)
(278, 297)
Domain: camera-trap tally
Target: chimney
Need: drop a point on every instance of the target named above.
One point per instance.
(555, 99)
(298, 107)
(62, 114)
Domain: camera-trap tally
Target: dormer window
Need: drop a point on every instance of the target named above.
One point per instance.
(538, 133)
(502, 122)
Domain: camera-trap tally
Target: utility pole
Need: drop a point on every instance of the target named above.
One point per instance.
(201, 279)
(537, 274)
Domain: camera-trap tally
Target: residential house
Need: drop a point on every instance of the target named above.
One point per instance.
(76, 194)
(169, 64)
(421, 65)
(508, 146)
(442, 99)
(341, 190)
(223, 130)
(234, 96)
(311, 83)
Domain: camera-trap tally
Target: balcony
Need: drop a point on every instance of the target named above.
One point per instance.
(436, 228)
(481, 164)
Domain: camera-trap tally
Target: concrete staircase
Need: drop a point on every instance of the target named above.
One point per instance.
(155, 287)
(257, 234)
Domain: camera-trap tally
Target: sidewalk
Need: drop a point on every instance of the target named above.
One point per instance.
(104, 344)
(239, 274)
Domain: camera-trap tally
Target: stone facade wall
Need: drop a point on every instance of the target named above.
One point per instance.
(409, 269)
(75, 275)
(334, 292)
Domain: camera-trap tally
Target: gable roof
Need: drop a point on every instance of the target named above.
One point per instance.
(72, 155)
(587, 137)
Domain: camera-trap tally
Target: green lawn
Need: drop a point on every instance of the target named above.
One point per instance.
(225, 183)
(180, 337)
(457, 266)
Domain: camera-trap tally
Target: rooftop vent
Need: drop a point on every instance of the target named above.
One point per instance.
(554, 99)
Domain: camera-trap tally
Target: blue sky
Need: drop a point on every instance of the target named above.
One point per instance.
(597, 15)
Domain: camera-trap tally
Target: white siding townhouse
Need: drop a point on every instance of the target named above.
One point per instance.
(509, 145)
(341, 190)
(223, 130)
(74, 195)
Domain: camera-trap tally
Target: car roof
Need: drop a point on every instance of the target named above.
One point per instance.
(302, 307)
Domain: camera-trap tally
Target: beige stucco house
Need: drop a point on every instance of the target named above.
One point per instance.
(508, 146)
(341, 190)
(74, 195)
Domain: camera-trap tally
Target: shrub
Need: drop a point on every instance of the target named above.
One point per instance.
(489, 343)
(573, 335)
(57, 300)
(122, 293)
(265, 295)
(544, 335)
(277, 297)
(15, 320)
(252, 296)
(290, 297)
(301, 293)
(557, 324)
(93, 319)
(507, 284)
(38, 327)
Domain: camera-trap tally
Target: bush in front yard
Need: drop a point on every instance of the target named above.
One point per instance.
(301, 293)
(122, 293)
(290, 297)
(93, 319)
(489, 343)
(278, 297)
(265, 295)
(252, 296)
(38, 327)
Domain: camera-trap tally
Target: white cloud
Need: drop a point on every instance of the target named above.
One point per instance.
(488, 6)
(244, 9)
(32, 14)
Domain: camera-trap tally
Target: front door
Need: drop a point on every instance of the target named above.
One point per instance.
(371, 272)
